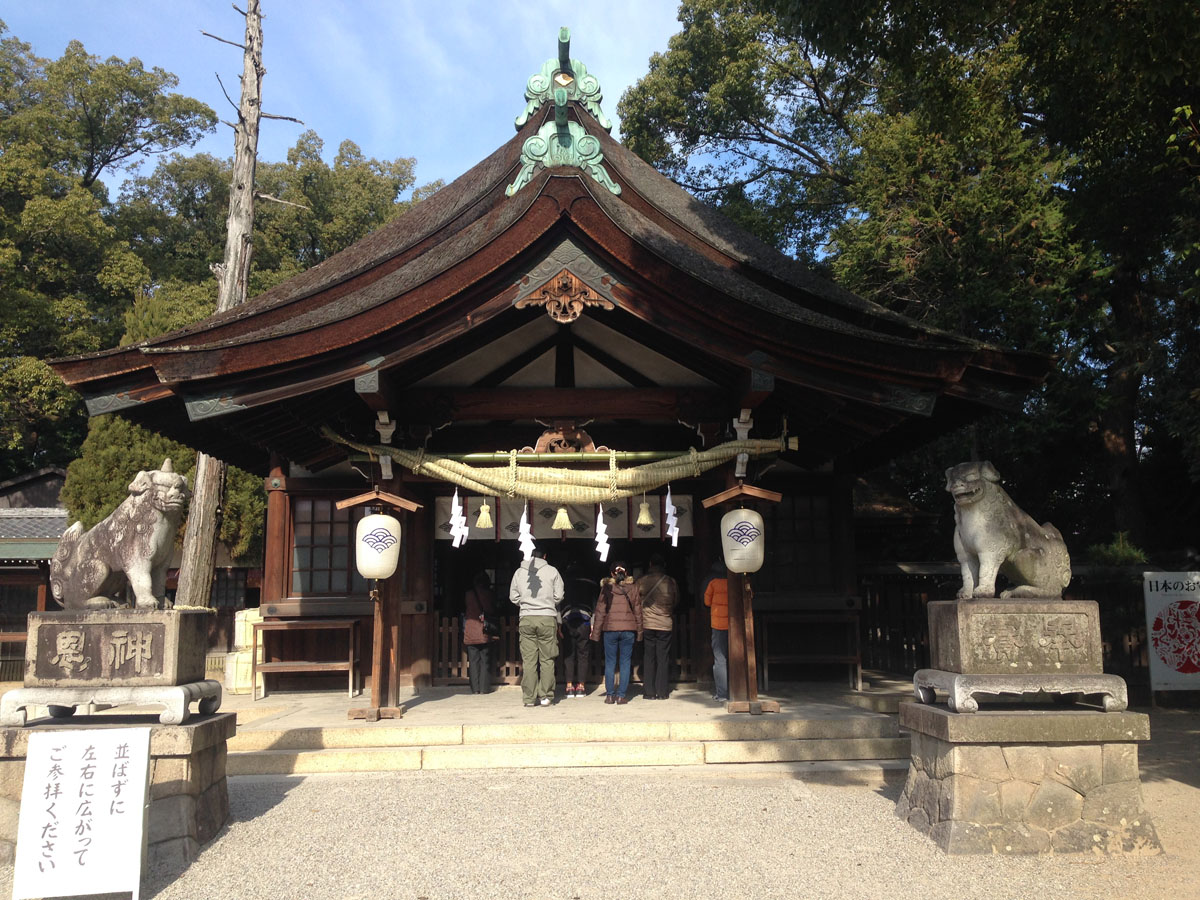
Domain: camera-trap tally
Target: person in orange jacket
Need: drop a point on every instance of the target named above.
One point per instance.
(716, 598)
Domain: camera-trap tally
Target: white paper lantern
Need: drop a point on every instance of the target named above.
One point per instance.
(377, 546)
(742, 540)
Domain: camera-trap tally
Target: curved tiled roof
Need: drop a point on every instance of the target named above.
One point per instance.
(467, 243)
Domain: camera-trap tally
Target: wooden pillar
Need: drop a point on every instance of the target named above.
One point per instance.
(411, 609)
(841, 507)
(275, 550)
(378, 643)
(419, 615)
(735, 590)
(743, 662)
(43, 586)
(748, 635)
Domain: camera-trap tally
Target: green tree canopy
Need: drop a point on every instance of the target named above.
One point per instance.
(1023, 174)
(66, 276)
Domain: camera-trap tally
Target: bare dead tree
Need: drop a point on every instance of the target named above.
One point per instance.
(233, 277)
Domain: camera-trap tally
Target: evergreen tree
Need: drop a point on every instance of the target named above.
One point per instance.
(1024, 175)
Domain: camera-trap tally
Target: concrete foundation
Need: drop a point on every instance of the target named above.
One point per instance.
(1027, 781)
(189, 797)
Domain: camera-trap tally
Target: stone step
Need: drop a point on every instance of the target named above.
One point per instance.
(562, 754)
(878, 701)
(385, 735)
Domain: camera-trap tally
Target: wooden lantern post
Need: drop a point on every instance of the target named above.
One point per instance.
(376, 711)
(743, 664)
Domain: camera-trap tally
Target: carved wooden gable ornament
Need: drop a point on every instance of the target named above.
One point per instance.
(566, 282)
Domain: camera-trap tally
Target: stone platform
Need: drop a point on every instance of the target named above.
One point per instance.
(62, 702)
(963, 692)
(1027, 781)
(189, 797)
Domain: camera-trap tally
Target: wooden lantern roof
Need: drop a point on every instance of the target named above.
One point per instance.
(560, 278)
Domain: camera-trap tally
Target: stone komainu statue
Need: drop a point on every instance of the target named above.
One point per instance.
(132, 546)
(992, 535)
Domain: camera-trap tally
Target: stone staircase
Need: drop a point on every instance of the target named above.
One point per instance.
(858, 734)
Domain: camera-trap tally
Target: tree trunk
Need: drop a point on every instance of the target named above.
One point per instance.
(1119, 411)
(233, 276)
(1117, 424)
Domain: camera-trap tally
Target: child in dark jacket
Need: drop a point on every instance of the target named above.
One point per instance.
(576, 608)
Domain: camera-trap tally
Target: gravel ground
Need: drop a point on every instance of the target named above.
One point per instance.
(616, 833)
(738, 834)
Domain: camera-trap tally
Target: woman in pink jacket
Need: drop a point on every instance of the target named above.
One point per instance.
(618, 621)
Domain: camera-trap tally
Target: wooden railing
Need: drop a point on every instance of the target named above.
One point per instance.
(450, 656)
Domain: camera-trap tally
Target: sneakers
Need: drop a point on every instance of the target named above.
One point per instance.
(545, 701)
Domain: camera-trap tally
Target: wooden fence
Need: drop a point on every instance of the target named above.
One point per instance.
(450, 656)
(895, 632)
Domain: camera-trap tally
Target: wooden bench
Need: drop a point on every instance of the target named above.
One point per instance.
(350, 626)
(851, 656)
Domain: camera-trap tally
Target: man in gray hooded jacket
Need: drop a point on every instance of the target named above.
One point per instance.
(536, 589)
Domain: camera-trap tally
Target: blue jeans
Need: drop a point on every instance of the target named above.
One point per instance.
(720, 648)
(618, 650)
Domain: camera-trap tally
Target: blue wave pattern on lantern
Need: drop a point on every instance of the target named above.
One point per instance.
(379, 539)
(744, 533)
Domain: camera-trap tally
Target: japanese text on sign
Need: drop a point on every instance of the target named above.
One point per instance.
(82, 813)
(1173, 629)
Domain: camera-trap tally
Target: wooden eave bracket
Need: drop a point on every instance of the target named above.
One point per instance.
(377, 497)
(741, 489)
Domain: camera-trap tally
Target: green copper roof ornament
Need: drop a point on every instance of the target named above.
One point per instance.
(571, 76)
(562, 141)
(553, 146)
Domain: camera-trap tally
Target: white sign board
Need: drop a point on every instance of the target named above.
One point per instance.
(83, 813)
(1173, 629)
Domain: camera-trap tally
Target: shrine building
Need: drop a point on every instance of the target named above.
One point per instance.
(560, 328)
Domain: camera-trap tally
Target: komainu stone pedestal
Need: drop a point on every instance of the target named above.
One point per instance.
(1027, 781)
(112, 657)
(116, 648)
(175, 700)
(983, 650)
(1015, 637)
(189, 795)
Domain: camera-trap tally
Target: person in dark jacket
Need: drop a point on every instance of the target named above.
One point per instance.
(659, 594)
(577, 628)
(479, 604)
(618, 621)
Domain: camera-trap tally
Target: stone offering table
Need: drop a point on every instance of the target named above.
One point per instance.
(189, 797)
(1027, 781)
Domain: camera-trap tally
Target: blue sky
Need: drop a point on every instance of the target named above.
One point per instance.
(439, 81)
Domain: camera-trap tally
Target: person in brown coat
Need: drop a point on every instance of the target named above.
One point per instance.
(659, 594)
(479, 605)
(618, 620)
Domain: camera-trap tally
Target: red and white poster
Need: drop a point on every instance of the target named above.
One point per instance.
(1173, 629)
